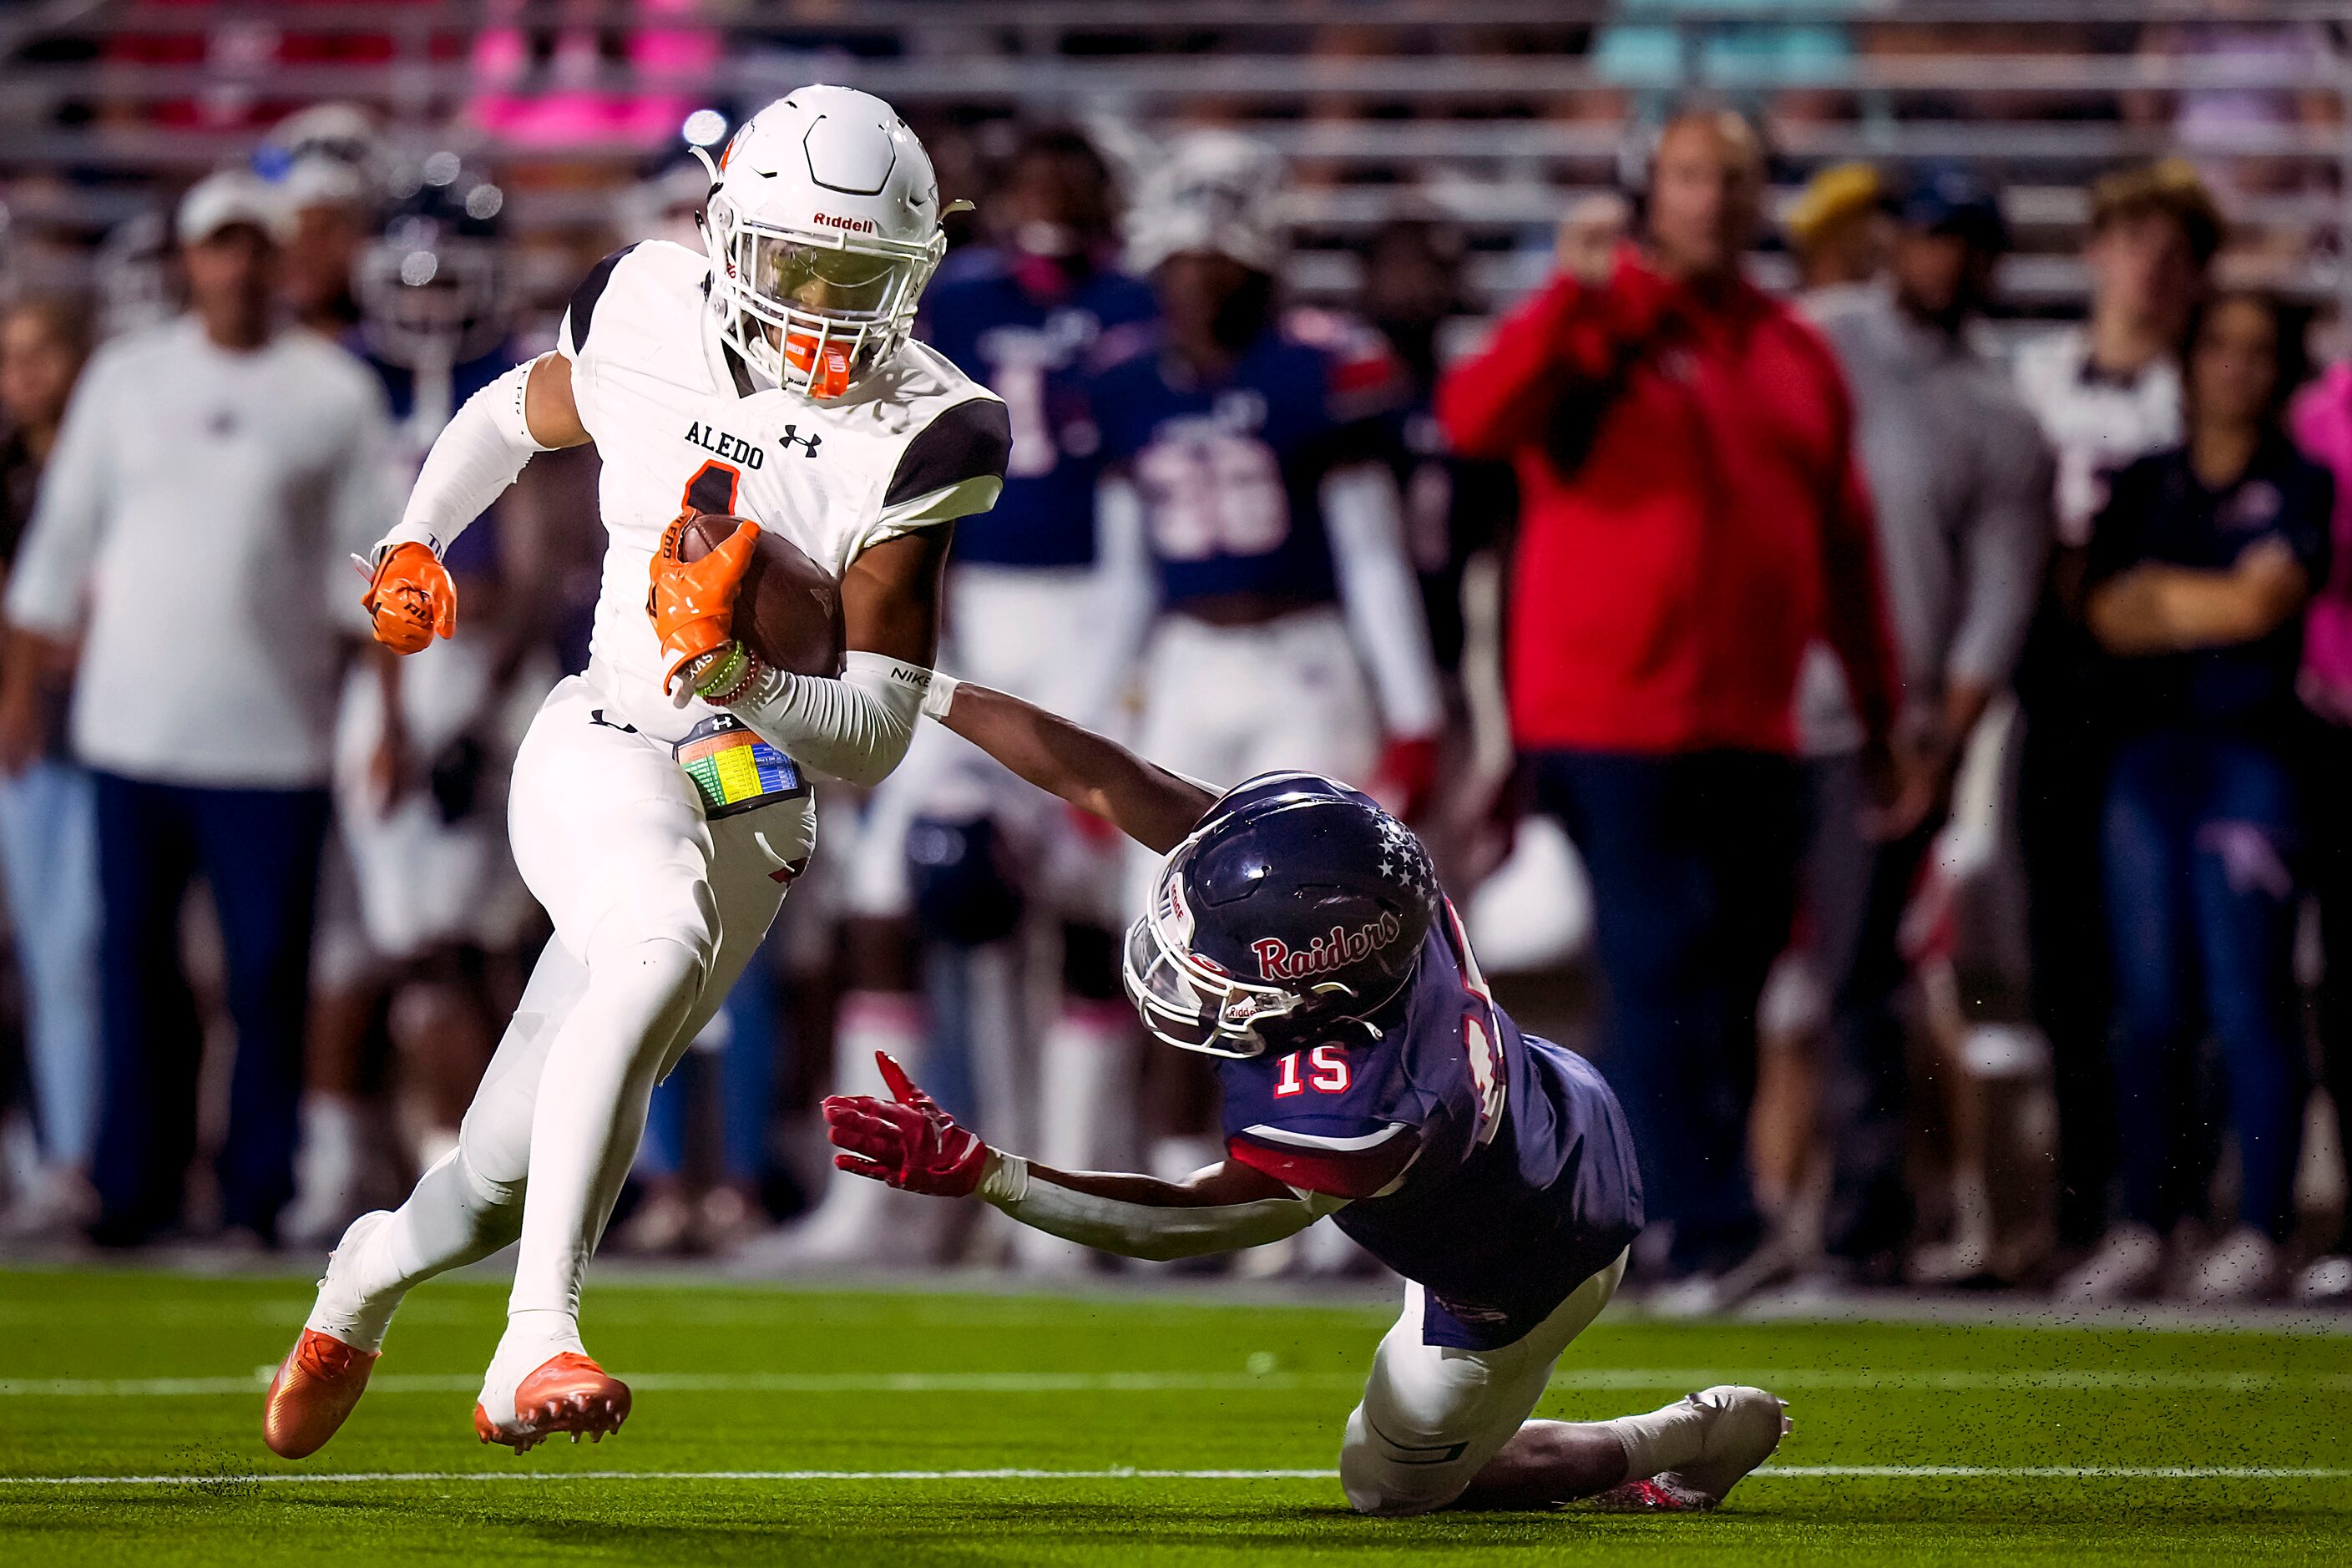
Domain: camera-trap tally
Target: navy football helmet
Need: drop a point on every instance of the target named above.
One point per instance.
(1297, 904)
(431, 286)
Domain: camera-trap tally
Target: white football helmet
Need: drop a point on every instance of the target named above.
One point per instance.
(823, 226)
(1216, 191)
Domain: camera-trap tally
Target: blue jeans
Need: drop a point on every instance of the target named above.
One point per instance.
(259, 849)
(1857, 891)
(2201, 839)
(1692, 862)
(49, 866)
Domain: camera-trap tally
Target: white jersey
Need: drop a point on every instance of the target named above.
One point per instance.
(679, 423)
(2095, 424)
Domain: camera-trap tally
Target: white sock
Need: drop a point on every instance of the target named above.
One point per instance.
(453, 1217)
(854, 1209)
(1665, 1439)
(1086, 1088)
(590, 1113)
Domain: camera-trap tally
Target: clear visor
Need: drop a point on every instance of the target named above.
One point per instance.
(1185, 1004)
(796, 277)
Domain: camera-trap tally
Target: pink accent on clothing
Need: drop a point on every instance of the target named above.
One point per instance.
(2321, 422)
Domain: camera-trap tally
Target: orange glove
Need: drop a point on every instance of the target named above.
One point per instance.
(693, 603)
(412, 599)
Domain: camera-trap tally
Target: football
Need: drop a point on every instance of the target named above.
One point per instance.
(788, 611)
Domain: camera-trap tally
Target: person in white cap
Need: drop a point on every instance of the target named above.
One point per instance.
(661, 803)
(210, 478)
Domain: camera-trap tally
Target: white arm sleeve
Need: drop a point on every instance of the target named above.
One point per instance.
(474, 459)
(854, 728)
(1145, 1230)
(1381, 601)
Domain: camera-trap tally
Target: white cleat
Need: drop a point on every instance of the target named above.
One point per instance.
(1744, 1426)
(2127, 1266)
(2246, 1267)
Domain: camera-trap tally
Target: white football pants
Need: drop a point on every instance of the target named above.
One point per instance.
(1433, 1416)
(657, 911)
(1222, 704)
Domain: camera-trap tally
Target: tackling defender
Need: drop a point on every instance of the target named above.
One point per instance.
(772, 379)
(1297, 934)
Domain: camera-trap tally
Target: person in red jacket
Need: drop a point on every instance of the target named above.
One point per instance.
(1691, 518)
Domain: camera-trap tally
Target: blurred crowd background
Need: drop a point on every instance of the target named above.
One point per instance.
(1870, 484)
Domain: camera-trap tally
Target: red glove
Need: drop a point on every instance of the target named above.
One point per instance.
(1407, 771)
(907, 1141)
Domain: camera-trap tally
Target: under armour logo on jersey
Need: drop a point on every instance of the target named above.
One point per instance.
(793, 438)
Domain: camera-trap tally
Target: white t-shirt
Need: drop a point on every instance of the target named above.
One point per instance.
(2095, 425)
(195, 531)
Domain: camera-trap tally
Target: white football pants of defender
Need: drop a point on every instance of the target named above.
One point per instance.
(1432, 1416)
(657, 909)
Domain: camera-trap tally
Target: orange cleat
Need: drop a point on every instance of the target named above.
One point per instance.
(316, 1387)
(569, 1393)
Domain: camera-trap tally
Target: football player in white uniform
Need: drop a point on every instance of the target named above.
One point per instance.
(659, 804)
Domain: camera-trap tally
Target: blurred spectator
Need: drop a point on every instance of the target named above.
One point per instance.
(2199, 567)
(1838, 229)
(328, 161)
(1693, 518)
(2105, 392)
(1961, 483)
(210, 478)
(2322, 423)
(49, 856)
(1452, 508)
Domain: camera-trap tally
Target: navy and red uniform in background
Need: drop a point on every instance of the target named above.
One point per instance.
(1229, 473)
(1026, 331)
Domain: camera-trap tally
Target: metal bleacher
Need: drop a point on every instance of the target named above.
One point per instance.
(1492, 112)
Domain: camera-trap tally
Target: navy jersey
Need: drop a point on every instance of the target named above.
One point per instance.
(1230, 472)
(1493, 1168)
(1454, 508)
(2159, 510)
(416, 429)
(1026, 351)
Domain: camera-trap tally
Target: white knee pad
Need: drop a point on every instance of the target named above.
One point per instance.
(494, 1156)
(492, 1193)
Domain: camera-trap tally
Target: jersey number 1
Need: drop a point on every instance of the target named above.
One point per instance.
(712, 489)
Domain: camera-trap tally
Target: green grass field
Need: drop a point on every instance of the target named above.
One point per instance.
(776, 1425)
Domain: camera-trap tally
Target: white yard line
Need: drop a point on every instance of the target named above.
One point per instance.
(1775, 1472)
(1569, 1379)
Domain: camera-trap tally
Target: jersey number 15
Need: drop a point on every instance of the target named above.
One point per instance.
(1329, 1074)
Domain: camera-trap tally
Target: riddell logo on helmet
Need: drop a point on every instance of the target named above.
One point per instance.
(853, 225)
(1324, 953)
